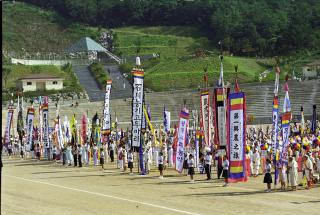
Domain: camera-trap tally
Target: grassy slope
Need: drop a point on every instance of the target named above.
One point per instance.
(34, 29)
(177, 69)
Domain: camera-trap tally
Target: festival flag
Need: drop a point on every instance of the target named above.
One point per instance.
(30, 119)
(137, 109)
(198, 143)
(274, 133)
(84, 129)
(60, 133)
(20, 125)
(314, 120)
(41, 119)
(8, 126)
(286, 118)
(236, 131)
(45, 113)
(205, 122)
(182, 135)
(302, 121)
(106, 128)
(166, 120)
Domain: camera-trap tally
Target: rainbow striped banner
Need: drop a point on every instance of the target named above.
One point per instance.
(236, 128)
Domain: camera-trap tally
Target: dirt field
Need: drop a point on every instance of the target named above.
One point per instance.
(30, 187)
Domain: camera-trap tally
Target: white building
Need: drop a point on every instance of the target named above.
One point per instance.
(40, 82)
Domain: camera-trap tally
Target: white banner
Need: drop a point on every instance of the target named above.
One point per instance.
(182, 132)
(106, 127)
(222, 126)
(166, 121)
(206, 116)
(45, 114)
(8, 126)
(137, 111)
(30, 119)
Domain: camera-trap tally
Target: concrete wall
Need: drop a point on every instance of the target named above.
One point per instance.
(51, 86)
(40, 62)
(32, 87)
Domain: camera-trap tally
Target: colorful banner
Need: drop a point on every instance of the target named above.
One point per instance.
(30, 119)
(274, 132)
(45, 113)
(137, 109)
(236, 136)
(166, 120)
(41, 119)
(285, 125)
(303, 127)
(60, 134)
(8, 126)
(205, 123)
(314, 120)
(84, 125)
(106, 128)
(182, 132)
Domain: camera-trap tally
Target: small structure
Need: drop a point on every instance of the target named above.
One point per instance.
(88, 46)
(40, 82)
(311, 70)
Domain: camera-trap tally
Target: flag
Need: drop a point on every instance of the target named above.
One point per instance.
(314, 120)
(236, 133)
(106, 128)
(137, 107)
(285, 124)
(182, 135)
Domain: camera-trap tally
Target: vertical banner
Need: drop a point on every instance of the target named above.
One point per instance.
(41, 120)
(84, 125)
(60, 133)
(205, 116)
(236, 129)
(30, 119)
(106, 128)
(182, 136)
(302, 121)
(8, 126)
(166, 120)
(314, 120)
(45, 125)
(285, 125)
(137, 111)
(220, 116)
(274, 132)
(144, 120)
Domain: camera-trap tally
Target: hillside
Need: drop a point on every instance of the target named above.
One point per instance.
(33, 29)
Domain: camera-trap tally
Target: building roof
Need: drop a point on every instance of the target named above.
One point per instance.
(85, 44)
(40, 76)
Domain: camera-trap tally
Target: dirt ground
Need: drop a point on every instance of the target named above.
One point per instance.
(31, 187)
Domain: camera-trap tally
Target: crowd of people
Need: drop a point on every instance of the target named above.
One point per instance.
(301, 167)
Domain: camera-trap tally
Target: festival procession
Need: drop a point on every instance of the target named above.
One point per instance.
(219, 144)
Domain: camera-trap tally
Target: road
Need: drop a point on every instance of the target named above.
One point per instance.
(31, 187)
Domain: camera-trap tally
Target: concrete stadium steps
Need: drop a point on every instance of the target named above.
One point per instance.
(87, 80)
(259, 103)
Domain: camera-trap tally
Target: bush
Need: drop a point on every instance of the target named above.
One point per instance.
(99, 74)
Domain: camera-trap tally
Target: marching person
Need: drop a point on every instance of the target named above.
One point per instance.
(191, 167)
(125, 159)
(207, 162)
(267, 177)
(130, 161)
(293, 173)
(80, 152)
(102, 158)
(256, 162)
(308, 166)
(95, 155)
(225, 172)
(282, 175)
(75, 155)
(160, 164)
(54, 154)
(112, 147)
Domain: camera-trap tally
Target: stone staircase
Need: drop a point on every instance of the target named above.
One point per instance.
(87, 80)
(259, 103)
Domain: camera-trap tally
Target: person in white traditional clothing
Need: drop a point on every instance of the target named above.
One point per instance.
(160, 165)
(256, 162)
(105, 150)
(120, 158)
(293, 173)
(146, 161)
(308, 166)
(170, 155)
(125, 159)
(207, 162)
(191, 164)
(84, 154)
(130, 161)
(225, 173)
(95, 155)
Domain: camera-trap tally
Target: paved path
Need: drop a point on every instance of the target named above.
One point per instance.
(29, 187)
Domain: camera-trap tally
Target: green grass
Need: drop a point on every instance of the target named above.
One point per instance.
(99, 74)
(35, 29)
(12, 74)
(178, 67)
